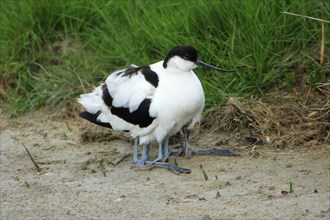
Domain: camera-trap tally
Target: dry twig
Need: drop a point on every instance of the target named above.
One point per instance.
(33, 161)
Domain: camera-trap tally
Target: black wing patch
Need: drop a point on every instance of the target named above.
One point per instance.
(139, 117)
(106, 96)
(93, 118)
(148, 74)
(131, 70)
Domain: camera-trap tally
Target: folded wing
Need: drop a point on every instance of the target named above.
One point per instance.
(123, 101)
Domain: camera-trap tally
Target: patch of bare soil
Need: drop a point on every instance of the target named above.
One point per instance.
(86, 170)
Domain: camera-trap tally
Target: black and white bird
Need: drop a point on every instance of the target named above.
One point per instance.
(153, 103)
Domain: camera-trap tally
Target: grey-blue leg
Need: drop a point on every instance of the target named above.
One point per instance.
(187, 150)
(182, 148)
(163, 151)
(160, 152)
(216, 151)
(135, 151)
(145, 153)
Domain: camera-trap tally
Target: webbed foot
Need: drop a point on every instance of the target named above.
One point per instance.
(138, 163)
(170, 166)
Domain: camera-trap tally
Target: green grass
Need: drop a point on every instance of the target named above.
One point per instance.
(51, 51)
(206, 177)
(291, 187)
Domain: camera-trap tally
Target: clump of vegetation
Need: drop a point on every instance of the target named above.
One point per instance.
(280, 119)
(27, 185)
(51, 51)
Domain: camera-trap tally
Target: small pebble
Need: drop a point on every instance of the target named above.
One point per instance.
(227, 183)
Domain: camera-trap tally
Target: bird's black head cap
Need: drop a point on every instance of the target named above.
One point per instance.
(185, 52)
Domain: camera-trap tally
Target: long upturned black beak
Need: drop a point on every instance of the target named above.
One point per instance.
(201, 63)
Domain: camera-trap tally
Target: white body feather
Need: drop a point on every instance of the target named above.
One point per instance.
(177, 101)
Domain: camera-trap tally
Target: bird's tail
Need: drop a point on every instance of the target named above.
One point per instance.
(92, 102)
(96, 110)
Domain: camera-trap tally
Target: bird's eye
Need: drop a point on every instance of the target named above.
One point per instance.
(186, 56)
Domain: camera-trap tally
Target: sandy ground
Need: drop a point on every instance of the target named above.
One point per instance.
(89, 180)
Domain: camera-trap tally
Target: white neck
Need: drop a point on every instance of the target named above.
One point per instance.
(180, 64)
